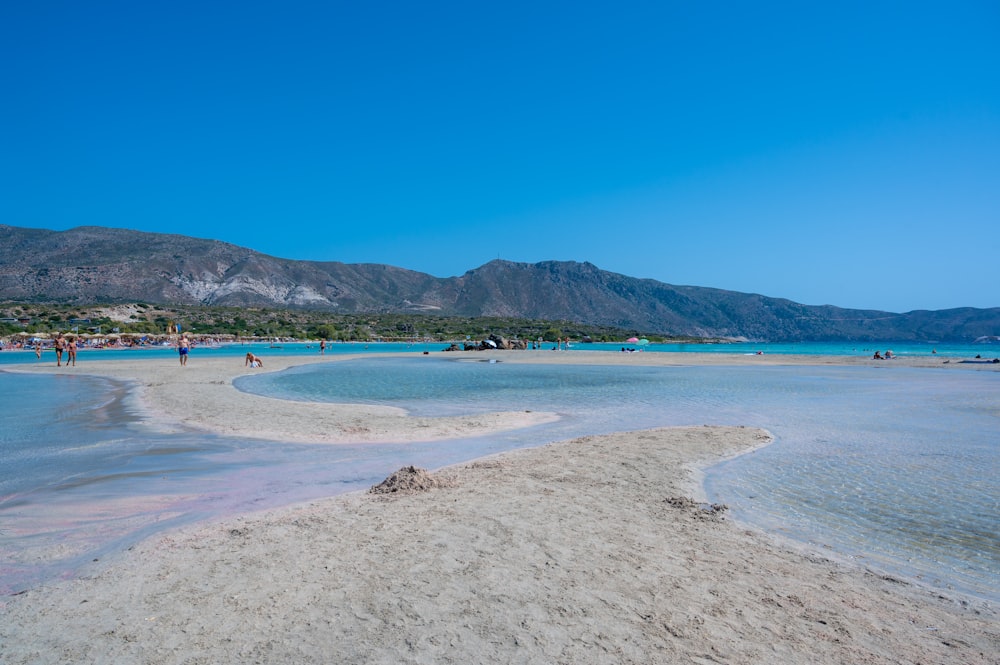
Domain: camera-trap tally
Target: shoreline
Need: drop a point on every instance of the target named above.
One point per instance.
(589, 550)
(531, 554)
(202, 395)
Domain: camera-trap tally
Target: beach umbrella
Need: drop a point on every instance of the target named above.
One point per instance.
(633, 340)
(491, 343)
(642, 342)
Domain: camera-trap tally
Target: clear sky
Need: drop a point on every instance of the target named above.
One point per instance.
(831, 153)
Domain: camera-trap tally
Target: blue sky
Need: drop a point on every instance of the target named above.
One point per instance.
(844, 153)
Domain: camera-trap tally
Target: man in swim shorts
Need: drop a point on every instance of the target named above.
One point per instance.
(182, 349)
(60, 347)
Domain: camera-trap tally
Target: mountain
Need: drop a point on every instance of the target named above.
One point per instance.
(89, 265)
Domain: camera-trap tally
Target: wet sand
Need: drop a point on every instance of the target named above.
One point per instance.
(594, 550)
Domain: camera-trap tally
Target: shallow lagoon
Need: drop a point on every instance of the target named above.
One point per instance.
(893, 464)
(896, 465)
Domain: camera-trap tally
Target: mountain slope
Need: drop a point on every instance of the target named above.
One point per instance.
(95, 264)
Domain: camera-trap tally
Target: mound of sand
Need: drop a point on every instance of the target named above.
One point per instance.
(698, 509)
(409, 479)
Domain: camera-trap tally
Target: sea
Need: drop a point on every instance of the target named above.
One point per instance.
(896, 468)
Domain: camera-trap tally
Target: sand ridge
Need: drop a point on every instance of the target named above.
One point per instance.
(202, 396)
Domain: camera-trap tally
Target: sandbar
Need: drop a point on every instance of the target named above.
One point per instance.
(201, 395)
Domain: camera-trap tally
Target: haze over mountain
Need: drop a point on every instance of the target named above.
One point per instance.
(88, 265)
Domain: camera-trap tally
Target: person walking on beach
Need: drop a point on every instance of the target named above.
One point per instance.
(38, 349)
(182, 349)
(60, 347)
(71, 351)
(322, 346)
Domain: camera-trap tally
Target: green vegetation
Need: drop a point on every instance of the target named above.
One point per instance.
(299, 324)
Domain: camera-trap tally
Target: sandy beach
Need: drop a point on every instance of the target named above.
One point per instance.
(595, 550)
(201, 395)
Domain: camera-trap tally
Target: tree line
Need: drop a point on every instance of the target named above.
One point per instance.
(144, 318)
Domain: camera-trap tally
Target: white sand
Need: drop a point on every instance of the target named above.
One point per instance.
(569, 553)
(201, 396)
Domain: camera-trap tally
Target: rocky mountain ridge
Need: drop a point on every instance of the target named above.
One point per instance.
(88, 265)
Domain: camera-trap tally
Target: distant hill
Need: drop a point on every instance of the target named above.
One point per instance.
(88, 265)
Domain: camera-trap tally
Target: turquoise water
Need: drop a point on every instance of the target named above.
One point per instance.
(949, 351)
(897, 466)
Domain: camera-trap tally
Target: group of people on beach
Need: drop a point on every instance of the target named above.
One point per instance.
(560, 344)
(62, 345)
(66, 345)
(888, 355)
